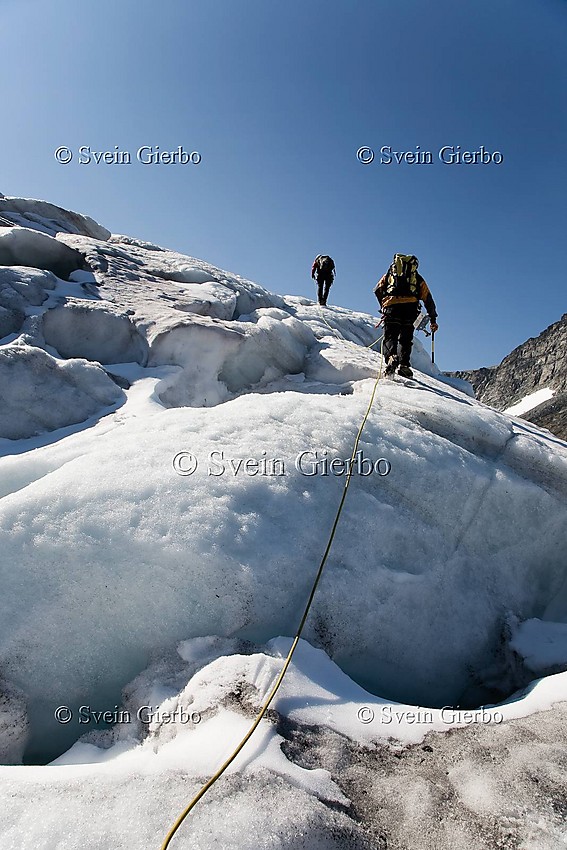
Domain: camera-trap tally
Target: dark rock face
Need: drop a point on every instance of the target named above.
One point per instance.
(552, 415)
(540, 362)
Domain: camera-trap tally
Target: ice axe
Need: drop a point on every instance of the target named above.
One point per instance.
(421, 323)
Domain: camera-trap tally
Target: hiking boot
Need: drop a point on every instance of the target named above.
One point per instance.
(391, 365)
(405, 371)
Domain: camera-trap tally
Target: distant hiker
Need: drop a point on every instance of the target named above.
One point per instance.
(399, 292)
(323, 270)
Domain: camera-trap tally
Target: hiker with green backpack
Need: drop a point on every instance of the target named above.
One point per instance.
(399, 292)
(323, 270)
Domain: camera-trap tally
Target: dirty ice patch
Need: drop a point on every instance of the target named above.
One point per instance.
(198, 726)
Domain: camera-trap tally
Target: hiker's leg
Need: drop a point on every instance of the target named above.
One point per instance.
(320, 298)
(406, 343)
(391, 333)
(327, 288)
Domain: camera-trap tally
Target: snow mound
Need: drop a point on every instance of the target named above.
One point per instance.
(20, 246)
(200, 348)
(207, 299)
(92, 331)
(25, 286)
(178, 706)
(337, 362)
(49, 218)
(271, 348)
(10, 320)
(31, 379)
(182, 273)
(21, 289)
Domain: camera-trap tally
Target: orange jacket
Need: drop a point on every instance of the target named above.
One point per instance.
(390, 300)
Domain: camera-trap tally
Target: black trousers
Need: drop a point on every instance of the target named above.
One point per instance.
(323, 286)
(398, 331)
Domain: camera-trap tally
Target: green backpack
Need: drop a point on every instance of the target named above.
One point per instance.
(402, 277)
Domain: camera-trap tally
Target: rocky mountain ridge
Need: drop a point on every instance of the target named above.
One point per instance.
(539, 363)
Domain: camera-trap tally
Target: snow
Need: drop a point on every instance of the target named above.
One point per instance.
(542, 645)
(234, 553)
(49, 218)
(156, 537)
(20, 289)
(125, 787)
(91, 331)
(529, 402)
(115, 809)
(22, 246)
(31, 378)
(29, 284)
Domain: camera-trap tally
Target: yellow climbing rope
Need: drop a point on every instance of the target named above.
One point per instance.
(287, 661)
(338, 336)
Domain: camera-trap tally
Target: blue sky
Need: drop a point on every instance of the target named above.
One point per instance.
(277, 98)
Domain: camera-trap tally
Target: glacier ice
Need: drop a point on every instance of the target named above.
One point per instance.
(110, 557)
(21, 246)
(41, 393)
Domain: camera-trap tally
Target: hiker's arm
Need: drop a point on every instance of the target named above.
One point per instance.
(429, 304)
(378, 289)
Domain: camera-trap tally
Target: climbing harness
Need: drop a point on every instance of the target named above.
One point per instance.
(287, 661)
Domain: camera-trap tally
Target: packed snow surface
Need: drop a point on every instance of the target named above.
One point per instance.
(174, 443)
